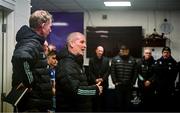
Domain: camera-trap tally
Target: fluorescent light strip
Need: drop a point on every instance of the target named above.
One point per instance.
(60, 24)
(117, 3)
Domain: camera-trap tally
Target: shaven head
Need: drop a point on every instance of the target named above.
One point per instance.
(99, 51)
(76, 43)
(147, 53)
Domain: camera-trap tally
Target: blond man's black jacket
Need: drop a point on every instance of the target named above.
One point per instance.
(30, 67)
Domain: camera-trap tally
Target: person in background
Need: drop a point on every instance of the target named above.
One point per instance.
(72, 90)
(146, 80)
(50, 52)
(30, 63)
(123, 73)
(52, 61)
(48, 47)
(99, 70)
(166, 73)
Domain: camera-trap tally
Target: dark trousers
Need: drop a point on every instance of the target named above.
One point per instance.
(123, 98)
(164, 102)
(97, 103)
(148, 99)
(110, 100)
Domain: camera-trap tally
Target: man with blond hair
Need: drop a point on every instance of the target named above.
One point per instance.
(30, 64)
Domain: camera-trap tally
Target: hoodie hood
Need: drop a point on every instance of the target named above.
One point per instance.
(25, 33)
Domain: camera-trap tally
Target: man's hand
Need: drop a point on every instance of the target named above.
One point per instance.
(99, 87)
(147, 83)
(99, 80)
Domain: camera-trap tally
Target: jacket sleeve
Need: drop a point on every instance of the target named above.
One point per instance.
(91, 77)
(107, 71)
(153, 71)
(88, 90)
(174, 70)
(135, 74)
(23, 59)
(113, 71)
(67, 79)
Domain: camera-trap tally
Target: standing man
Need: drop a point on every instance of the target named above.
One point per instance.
(123, 70)
(146, 80)
(99, 71)
(72, 90)
(166, 73)
(30, 63)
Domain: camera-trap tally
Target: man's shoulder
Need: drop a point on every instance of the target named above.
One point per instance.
(116, 57)
(132, 58)
(67, 62)
(106, 59)
(27, 48)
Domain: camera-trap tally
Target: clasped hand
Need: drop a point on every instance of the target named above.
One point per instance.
(99, 87)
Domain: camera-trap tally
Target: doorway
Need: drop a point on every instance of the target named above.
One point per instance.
(1, 58)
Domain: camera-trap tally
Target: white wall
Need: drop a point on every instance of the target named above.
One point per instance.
(147, 19)
(17, 13)
(22, 13)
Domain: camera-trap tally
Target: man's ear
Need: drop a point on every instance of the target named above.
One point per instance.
(71, 44)
(42, 25)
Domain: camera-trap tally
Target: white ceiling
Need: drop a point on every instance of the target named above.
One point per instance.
(87, 5)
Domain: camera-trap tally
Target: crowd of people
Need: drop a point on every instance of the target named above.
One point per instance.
(58, 82)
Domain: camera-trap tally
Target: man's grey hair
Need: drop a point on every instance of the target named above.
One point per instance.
(73, 36)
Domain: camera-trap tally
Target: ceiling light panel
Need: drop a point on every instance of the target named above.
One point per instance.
(115, 3)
